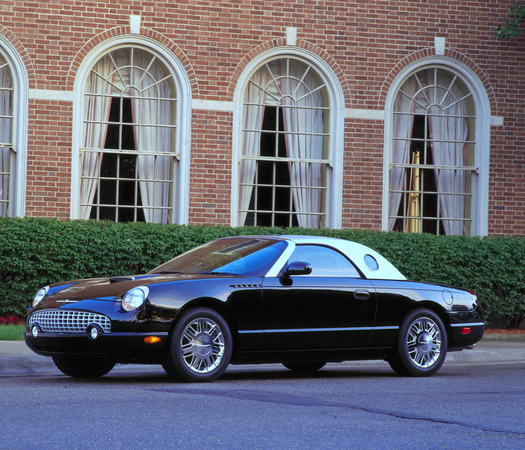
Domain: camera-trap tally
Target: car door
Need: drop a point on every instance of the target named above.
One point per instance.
(333, 307)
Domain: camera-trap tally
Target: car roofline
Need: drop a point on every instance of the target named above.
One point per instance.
(355, 251)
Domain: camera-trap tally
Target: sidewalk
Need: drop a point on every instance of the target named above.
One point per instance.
(17, 359)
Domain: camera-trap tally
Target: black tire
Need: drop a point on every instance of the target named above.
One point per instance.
(199, 348)
(421, 346)
(83, 367)
(304, 367)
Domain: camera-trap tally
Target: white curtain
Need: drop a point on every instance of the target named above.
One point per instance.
(96, 113)
(5, 138)
(403, 122)
(303, 125)
(152, 117)
(255, 98)
(448, 133)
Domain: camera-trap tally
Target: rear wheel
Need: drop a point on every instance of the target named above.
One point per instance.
(421, 347)
(83, 367)
(200, 346)
(304, 367)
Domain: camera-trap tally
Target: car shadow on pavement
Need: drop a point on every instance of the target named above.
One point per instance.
(155, 375)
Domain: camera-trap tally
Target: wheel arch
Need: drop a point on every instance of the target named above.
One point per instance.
(219, 307)
(412, 356)
(439, 310)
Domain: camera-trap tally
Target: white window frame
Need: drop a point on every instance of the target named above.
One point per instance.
(20, 111)
(479, 212)
(180, 202)
(336, 102)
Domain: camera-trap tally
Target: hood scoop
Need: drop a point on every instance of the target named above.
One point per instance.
(119, 279)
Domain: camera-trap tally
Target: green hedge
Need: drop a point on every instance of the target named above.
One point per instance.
(35, 252)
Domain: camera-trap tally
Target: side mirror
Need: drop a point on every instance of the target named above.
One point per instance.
(297, 268)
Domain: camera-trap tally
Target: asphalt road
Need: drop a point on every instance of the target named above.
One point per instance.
(344, 406)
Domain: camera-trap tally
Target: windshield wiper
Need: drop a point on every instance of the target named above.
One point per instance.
(168, 271)
(219, 273)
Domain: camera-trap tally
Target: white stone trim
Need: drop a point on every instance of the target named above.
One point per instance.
(439, 43)
(291, 36)
(214, 105)
(496, 121)
(134, 24)
(211, 105)
(47, 94)
(369, 114)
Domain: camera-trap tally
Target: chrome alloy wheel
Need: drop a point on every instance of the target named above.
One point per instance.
(424, 342)
(202, 344)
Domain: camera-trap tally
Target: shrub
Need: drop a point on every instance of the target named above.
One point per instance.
(35, 252)
(11, 320)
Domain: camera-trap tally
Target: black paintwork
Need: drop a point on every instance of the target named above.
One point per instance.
(297, 317)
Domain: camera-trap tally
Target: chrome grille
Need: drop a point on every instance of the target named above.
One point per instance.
(62, 321)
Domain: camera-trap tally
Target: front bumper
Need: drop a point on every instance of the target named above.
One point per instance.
(120, 347)
(121, 335)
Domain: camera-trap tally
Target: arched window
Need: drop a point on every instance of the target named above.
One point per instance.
(435, 155)
(286, 159)
(128, 156)
(132, 117)
(13, 131)
(6, 143)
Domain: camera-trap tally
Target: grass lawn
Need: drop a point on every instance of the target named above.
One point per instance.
(12, 332)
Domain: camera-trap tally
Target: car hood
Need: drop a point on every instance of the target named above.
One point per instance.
(111, 289)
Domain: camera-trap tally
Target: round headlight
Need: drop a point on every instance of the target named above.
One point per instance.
(134, 298)
(40, 295)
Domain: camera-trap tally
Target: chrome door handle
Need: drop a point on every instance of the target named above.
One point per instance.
(361, 295)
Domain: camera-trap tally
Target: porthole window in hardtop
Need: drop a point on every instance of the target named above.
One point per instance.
(128, 159)
(371, 262)
(432, 171)
(284, 162)
(7, 154)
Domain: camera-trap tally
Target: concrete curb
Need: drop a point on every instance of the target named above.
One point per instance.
(504, 337)
(17, 359)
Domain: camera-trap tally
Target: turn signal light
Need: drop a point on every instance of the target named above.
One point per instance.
(466, 330)
(152, 339)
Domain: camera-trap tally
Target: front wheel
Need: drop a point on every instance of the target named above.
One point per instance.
(200, 346)
(421, 346)
(83, 367)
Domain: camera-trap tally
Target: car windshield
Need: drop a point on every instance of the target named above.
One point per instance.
(238, 256)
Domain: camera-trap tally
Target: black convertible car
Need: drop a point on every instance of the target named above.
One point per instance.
(297, 300)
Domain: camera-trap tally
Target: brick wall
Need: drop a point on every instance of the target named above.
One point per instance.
(363, 174)
(210, 174)
(49, 159)
(366, 43)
